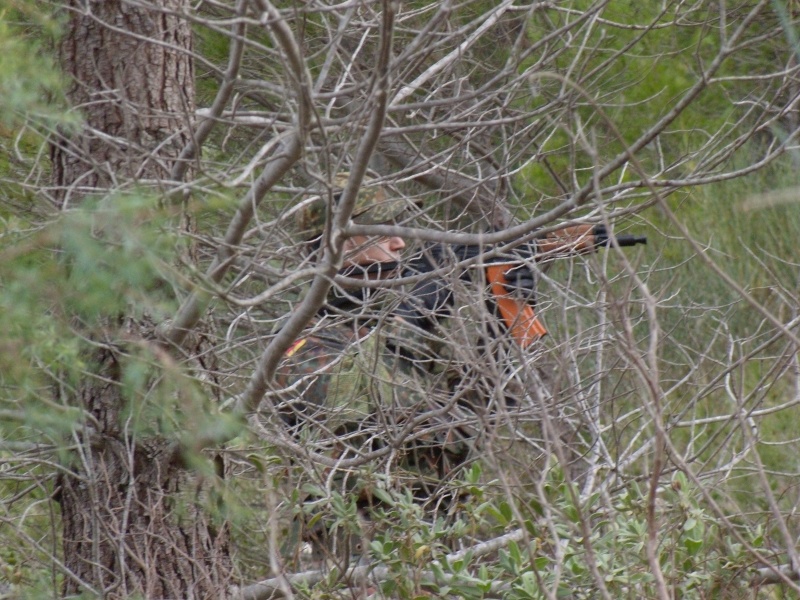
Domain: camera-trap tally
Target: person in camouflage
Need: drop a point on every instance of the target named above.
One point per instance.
(370, 379)
(379, 383)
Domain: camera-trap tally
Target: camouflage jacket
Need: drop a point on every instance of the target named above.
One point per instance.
(370, 383)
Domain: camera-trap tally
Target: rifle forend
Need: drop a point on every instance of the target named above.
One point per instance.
(563, 242)
(581, 239)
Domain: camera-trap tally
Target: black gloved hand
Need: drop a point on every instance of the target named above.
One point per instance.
(429, 301)
(521, 281)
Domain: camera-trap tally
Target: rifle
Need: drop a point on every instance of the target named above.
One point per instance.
(517, 313)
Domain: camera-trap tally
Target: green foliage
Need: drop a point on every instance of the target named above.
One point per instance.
(66, 282)
(555, 557)
(25, 31)
(66, 287)
(116, 257)
(690, 551)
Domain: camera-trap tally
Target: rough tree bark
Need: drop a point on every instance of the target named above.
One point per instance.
(132, 80)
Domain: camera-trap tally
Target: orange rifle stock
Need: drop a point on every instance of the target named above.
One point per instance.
(523, 324)
(518, 315)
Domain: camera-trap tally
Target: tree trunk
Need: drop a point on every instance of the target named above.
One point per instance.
(120, 535)
(132, 80)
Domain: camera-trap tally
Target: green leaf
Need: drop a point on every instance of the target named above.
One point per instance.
(383, 495)
(473, 474)
(389, 587)
(507, 512)
(536, 506)
(540, 563)
(693, 546)
(514, 552)
(312, 489)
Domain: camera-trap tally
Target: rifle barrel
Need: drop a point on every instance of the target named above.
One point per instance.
(627, 240)
(601, 238)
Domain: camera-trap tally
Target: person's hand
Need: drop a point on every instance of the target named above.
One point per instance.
(426, 303)
(521, 281)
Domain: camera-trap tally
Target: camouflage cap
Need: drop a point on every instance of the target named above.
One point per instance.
(373, 206)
